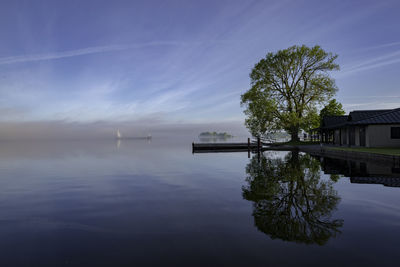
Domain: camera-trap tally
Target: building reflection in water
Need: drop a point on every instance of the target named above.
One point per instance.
(362, 172)
(291, 201)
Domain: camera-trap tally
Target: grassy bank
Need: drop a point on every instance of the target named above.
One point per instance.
(381, 150)
(296, 143)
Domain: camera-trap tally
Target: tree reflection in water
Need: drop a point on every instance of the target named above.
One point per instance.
(291, 201)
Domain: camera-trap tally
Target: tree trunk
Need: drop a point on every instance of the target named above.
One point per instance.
(294, 134)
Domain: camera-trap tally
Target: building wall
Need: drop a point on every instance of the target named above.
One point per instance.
(357, 135)
(337, 137)
(379, 136)
(353, 136)
(367, 136)
(344, 136)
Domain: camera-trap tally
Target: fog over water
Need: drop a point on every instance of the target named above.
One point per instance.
(64, 130)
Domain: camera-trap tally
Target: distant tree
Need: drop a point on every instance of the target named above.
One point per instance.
(286, 87)
(333, 108)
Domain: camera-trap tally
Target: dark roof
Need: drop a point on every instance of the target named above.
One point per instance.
(363, 117)
(334, 121)
(388, 117)
(363, 114)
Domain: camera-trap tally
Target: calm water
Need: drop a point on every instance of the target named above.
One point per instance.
(137, 203)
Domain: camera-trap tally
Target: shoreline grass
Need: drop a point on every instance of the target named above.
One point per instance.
(374, 150)
(296, 143)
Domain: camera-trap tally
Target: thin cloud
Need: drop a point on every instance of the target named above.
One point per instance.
(372, 96)
(83, 51)
(376, 105)
(382, 46)
(376, 62)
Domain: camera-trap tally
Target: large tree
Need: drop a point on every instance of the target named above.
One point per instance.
(286, 89)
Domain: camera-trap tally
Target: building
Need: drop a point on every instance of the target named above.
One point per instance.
(363, 128)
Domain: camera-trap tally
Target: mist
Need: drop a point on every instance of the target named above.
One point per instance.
(63, 130)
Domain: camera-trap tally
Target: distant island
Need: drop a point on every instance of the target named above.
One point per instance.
(214, 135)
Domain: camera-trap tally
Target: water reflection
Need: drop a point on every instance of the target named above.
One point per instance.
(362, 172)
(133, 140)
(291, 200)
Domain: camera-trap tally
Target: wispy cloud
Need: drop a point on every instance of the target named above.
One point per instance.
(191, 67)
(83, 51)
(382, 46)
(367, 105)
(372, 63)
(372, 96)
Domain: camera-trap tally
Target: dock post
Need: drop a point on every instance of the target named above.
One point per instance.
(192, 147)
(258, 143)
(248, 147)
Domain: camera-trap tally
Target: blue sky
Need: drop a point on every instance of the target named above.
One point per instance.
(181, 61)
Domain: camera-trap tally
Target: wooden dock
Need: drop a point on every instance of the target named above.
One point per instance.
(250, 146)
(225, 147)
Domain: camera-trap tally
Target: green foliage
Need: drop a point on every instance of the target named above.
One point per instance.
(286, 88)
(311, 120)
(215, 135)
(290, 200)
(260, 114)
(333, 108)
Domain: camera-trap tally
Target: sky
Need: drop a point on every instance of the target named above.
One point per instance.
(181, 62)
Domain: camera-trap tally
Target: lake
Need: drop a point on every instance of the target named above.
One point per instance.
(145, 203)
